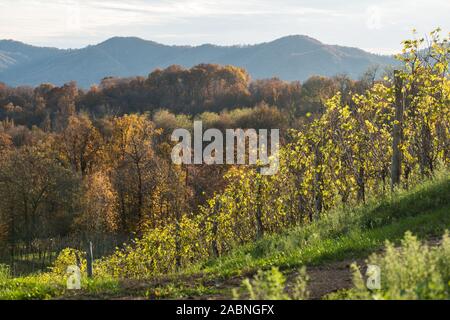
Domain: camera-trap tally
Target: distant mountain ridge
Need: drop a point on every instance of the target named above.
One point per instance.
(289, 58)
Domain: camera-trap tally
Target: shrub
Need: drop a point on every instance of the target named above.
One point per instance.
(414, 271)
(68, 257)
(4, 272)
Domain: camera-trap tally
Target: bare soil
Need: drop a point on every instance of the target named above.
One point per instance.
(323, 279)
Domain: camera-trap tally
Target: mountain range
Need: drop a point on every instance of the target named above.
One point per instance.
(289, 58)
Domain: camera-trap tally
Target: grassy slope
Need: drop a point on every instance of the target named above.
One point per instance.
(345, 233)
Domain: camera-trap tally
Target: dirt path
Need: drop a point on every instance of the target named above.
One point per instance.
(328, 278)
(323, 279)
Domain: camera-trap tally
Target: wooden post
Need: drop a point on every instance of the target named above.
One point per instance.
(89, 260)
(318, 183)
(78, 260)
(259, 222)
(215, 227)
(396, 166)
(178, 242)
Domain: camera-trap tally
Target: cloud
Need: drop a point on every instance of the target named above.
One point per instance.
(363, 23)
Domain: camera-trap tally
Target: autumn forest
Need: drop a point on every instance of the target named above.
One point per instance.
(93, 167)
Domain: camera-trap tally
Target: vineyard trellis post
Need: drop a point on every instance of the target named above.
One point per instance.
(89, 260)
(397, 131)
(259, 223)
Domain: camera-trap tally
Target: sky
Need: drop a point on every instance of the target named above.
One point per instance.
(376, 26)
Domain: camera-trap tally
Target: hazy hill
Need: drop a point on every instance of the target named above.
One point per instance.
(289, 58)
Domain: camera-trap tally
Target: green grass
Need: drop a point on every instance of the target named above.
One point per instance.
(47, 286)
(27, 288)
(179, 290)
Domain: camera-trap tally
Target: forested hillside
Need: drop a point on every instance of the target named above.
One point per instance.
(289, 58)
(85, 151)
